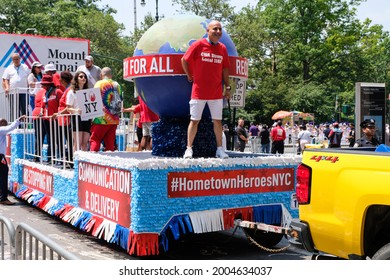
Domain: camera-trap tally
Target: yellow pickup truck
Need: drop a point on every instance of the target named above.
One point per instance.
(344, 203)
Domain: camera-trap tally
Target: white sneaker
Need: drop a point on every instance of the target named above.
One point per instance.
(221, 154)
(188, 153)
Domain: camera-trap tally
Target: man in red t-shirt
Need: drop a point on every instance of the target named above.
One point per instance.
(206, 64)
(278, 134)
(147, 117)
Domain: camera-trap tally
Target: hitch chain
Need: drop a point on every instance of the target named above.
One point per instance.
(265, 248)
(263, 227)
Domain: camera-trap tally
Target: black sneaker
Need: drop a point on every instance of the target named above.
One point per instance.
(6, 202)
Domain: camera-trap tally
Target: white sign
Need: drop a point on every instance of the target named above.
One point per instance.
(293, 201)
(90, 103)
(237, 100)
(64, 53)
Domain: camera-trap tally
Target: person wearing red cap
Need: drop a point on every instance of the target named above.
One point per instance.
(335, 136)
(46, 105)
(65, 129)
(51, 70)
(147, 118)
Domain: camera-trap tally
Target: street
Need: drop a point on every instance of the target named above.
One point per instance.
(208, 246)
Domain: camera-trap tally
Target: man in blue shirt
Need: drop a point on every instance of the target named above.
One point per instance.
(4, 130)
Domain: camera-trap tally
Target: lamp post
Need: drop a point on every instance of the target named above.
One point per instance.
(135, 15)
(143, 3)
(31, 30)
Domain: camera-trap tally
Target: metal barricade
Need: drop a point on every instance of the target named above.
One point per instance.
(30, 244)
(7, 232)
(26, 243)
(126, 134)
(16, 103)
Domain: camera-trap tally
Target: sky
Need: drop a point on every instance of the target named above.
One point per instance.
(377, 10)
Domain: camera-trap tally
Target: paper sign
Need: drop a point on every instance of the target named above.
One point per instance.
(90, 103)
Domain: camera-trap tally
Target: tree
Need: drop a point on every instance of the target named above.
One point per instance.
(73, 19)
(312, 50)
(210, 9)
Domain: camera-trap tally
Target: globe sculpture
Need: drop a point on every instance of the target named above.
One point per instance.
(159, 79)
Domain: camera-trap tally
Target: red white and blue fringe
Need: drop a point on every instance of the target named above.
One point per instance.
(145, 244)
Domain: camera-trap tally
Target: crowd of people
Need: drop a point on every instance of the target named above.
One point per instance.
(273, 139)
(51, 98)
(57, 116)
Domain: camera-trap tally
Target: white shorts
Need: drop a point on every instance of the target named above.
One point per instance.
(197, 107)
(147, 129)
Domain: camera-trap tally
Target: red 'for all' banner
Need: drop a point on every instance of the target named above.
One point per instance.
(170, 65)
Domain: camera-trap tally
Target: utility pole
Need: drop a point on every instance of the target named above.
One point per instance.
(135, 15)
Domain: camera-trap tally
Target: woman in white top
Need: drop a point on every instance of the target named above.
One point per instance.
(34, 82)
(304, 137)
(80, 136)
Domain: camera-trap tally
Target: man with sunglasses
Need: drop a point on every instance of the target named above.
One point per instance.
(368, 139)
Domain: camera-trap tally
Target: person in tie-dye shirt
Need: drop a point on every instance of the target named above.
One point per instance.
(104, 128)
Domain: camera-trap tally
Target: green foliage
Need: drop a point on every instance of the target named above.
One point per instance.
(302, 54)
(210, 9)
(74, 19)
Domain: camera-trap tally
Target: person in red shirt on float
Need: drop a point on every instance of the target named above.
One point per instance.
(46, 105)
(278, 134)
(147, 117)
(206, 64)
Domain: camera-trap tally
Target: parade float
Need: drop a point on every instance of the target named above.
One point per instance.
(142, 201)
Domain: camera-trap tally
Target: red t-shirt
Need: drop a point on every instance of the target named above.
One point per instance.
(57, 82)
(278, 133)
(38, 102)
(137, 110)
(63, 120)
(49, 104)
(206, 63)
(146, 115)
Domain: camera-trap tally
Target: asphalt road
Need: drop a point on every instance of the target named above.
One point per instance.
(226, 245)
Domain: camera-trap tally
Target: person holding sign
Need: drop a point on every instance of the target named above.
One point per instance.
(80, 136)
(92, 71)
(104, 128)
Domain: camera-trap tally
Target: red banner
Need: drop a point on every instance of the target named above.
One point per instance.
(38, 179)
(105, 191)
(170, 65)
(189, 184)
(8, 150)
